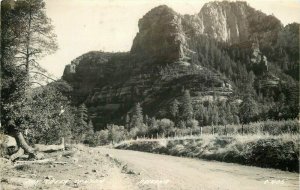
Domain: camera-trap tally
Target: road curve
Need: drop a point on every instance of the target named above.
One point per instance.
(172, 173)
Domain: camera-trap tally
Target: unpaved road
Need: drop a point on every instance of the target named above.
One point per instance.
(168, 172)
(102, 168)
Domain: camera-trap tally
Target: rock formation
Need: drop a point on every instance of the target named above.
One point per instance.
(161, 61)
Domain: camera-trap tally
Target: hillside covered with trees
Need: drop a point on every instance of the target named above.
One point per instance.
(180, 73)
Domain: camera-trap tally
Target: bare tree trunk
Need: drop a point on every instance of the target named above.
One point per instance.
(16, 155)
(23, 147)
(23, 144)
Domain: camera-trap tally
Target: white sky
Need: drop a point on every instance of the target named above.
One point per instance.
(111, 25)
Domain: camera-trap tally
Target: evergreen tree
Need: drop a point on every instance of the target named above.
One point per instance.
(248, 109)
(187, 107)
(182, 124)
(83, 112)
(81, 124)
(89, 133)
(26, 36)
(174, 108)
(127, 122)
(38, 38)
(199, 113)
(137, 116)
(153, 123)
(215, 117)
(147, 120)
(236, 119)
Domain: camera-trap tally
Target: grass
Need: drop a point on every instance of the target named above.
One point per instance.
(262, 150)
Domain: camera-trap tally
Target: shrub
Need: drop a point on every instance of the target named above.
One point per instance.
(23, 167)
(99, 138)
(192, 124)
(265, 127)
(280, 127)
(139, 131)
(280, 152)
(166, 126)
(116, 133)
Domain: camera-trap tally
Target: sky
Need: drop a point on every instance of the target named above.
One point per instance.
(111, 25)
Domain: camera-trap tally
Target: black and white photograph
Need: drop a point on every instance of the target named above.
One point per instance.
(149, 95)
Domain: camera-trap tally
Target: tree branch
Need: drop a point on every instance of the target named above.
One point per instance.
(42, 75)
(21, 65)
(33, 82)
(37, 65)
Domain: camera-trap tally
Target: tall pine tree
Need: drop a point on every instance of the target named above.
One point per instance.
(174, 108)
(137, 116)
(187, 107)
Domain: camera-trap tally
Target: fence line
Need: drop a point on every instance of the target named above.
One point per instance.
(166, 138)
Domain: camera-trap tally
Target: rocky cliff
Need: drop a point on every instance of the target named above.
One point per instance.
(164, 34)
(161, 35)
(173, 52)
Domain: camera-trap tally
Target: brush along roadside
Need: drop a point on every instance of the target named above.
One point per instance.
(267, 151)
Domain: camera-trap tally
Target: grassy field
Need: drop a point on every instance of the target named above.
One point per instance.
(262, 150)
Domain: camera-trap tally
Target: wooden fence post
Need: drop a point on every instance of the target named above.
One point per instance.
(242, 129)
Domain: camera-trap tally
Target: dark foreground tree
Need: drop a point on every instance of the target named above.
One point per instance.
(26, 36)
(49, 116)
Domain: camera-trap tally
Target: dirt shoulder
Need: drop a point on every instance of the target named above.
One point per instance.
(86, 168)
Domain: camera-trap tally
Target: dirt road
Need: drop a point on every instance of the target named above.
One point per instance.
(168, 172)
(110, 169)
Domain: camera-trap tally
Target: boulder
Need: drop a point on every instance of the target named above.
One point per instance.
(8, 145)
